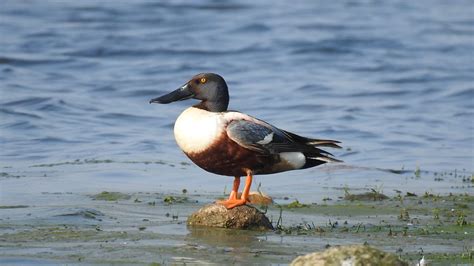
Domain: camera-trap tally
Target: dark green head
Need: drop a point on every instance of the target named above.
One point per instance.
(210, 88)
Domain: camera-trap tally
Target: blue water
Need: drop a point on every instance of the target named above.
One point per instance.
(392, 80)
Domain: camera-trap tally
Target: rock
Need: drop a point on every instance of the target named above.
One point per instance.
(258, 198)
(241, 217)
(349, 255)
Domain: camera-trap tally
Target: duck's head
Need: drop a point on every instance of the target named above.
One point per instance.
(210, 88)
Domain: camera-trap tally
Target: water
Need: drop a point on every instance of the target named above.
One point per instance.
(392, 80)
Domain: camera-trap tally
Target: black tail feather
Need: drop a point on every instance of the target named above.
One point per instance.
(314, 142)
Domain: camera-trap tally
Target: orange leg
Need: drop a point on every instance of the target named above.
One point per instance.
(233, 201)
(235, 189)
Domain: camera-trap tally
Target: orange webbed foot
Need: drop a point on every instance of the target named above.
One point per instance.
(231, 203)
(234, 199)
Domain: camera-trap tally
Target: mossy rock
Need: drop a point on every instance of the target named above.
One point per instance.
(241, 217)
(349, 255)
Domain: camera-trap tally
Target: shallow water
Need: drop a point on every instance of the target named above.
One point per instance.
(140, 228)
(393, 81)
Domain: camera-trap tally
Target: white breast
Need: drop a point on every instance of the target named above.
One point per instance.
(196, 129)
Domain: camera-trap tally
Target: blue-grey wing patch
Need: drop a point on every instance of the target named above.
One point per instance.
(260, 137)
(250, 135)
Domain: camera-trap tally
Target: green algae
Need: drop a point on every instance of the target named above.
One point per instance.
(175, 199)
(13, 206)
(374, 196)
(111, 196)
(417, 172)
(53, 234)
(295, 205)
(85, 213)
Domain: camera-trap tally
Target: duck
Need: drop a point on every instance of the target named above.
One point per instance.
(231, 143)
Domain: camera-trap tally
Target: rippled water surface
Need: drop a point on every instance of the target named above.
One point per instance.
(392, 80)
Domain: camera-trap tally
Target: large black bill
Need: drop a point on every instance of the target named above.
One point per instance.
(180, 94)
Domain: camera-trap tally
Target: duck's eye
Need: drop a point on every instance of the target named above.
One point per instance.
(202, 80)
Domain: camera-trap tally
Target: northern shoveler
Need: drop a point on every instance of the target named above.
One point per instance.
(231, 143)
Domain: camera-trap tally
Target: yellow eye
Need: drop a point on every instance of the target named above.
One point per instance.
(203, 80)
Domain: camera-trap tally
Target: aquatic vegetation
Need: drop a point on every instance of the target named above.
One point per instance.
(85, 213)
(417, 172)
(404, 215)
(13, 206)
(373, 195)
(175, 199)
(295, 204)
(436, 213)
(399, 198)
(111, 196)
(169, 199)
(461, 219)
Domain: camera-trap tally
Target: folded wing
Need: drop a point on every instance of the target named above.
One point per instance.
(266, 139)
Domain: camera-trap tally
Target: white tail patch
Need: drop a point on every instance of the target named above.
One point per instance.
(295, 159)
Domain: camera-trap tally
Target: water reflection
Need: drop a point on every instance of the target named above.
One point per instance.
(230, 238)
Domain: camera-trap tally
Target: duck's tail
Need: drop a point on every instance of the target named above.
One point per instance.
(315, 159)
(324, 143)
(313, 154)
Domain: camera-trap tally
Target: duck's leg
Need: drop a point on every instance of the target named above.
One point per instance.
(234, 194)
(234, 201)
(235, 188)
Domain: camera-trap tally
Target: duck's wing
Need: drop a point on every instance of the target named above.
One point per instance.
(253, 136)
(266, 139)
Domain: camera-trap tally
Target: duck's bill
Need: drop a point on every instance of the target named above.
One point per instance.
(180, 94)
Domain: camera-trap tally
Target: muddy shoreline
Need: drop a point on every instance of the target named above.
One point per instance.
(144, 228)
